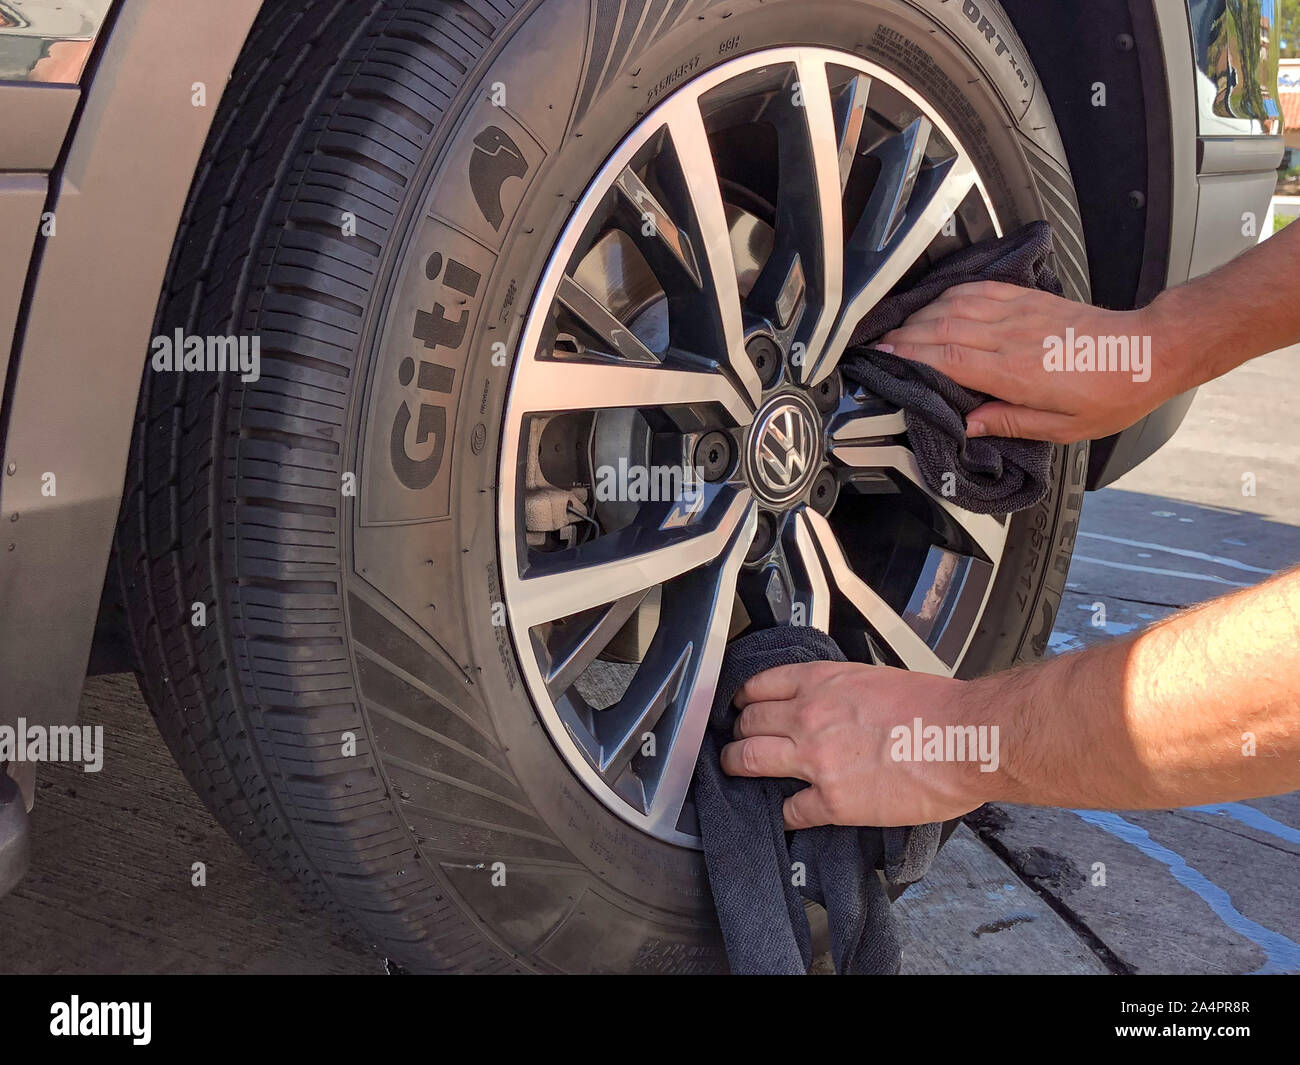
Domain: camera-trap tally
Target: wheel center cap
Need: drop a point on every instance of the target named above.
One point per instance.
(784, 448)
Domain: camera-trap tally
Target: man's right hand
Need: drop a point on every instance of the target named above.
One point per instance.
(989, 337)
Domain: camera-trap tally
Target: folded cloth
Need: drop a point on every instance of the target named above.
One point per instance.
(988, 475)
(760, 874)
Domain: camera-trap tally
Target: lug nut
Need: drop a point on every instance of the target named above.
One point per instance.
(826, 394)
(765, 356)
(825, 490)
(764, 537)
(713, 455)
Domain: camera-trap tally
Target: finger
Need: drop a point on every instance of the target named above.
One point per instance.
(988, 290)
(806, 809)
(946, 329)
(766, 719)
(772, 685)
(1026, 423)
(979, 371)
(760, 756)
(969, 307)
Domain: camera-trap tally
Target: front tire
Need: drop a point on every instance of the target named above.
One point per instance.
(382, 191)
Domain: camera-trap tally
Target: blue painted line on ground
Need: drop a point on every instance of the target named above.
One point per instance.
(1200, 556)
(1283, 955)
(1207, 578)
(1252, 818)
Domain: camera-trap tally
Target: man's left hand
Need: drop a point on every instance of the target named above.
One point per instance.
(829, 723)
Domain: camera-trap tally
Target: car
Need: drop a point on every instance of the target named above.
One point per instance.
(418, 395)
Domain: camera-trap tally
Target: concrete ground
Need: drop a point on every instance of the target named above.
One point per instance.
(1200, 891)
(1212, 890)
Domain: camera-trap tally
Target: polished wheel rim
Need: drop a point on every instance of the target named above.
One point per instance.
(681, 459)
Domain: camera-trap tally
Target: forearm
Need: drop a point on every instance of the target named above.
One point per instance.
(1202, 707)
(1210, 325)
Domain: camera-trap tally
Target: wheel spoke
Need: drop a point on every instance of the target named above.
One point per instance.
(570, 660)
(654, 223)
(808, 251)
(868, 426)
(853, 107)
(597, 317)
(894, 632)
(988, 532)
(652, 692)
(801, 553)
(700, 683)
(622, 564)
(881, 269)
(703, 197)
(900, 158)
(570, 384)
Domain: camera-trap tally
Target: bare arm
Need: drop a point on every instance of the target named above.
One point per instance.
(990, 337)
(1202, 707)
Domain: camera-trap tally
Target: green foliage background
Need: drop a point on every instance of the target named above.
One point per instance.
(1288, 28)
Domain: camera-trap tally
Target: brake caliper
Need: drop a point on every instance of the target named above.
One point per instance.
(553, 515)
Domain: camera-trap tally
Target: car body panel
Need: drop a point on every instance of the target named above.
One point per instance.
(22, 202)
(71, 391)
(37, 118)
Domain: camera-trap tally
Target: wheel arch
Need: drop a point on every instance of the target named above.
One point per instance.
(1119, 149)
(1133, 161)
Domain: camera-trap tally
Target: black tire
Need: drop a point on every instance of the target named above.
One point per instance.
(370, 614)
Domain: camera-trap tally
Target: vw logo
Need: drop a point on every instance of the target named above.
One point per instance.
(783, 449)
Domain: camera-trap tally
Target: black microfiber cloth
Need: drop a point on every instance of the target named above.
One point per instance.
(991, 475)
(751, 859)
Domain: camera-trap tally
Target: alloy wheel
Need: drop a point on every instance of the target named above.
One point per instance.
(681, 459)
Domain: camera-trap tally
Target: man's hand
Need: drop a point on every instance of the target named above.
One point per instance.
(829, 723)
(990, 337)
(1202, 707)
